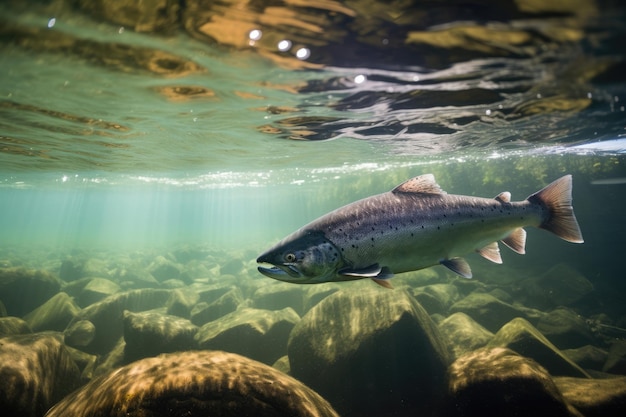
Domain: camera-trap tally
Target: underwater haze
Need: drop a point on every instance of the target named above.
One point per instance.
(147, 159)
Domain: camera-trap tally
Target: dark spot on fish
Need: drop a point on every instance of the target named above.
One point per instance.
(411, 234)
(422, 226)
(373, 228)
(438, 227)
(372, 239)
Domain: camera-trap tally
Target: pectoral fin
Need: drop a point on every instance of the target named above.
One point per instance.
(491, 252)
(367, 272)
(458, 266)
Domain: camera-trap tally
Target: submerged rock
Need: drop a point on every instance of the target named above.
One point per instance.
(588, 357)
(149, 334)
(487, 310)
(80, 333)
(194, 384)
(106, 315)
(436, 298)
(616, 362)
(370, 352)
(54, 314)
(96, 290)
(565, 329)
(36, 371)
(278, 296)
(499, 382)
(519, 335)
(12, 326)
(22, 290)
(595, 397)
(181, 302)
(464, 334)
(258, 334)
(203, 313)
(562, 285)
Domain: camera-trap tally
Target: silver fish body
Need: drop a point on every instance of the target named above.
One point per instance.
(416, 226)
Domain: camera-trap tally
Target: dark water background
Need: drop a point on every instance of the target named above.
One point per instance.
(144, 141)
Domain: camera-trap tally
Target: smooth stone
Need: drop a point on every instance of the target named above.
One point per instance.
(194, 384)
(258, 334)
(370, 351)
(106, 315)
(22, 290)
(36, 371)
(499, 382)
(520, 336)
(616, 362)
(80, 333)
(565, 329)
(54, 314)
(278, 296)
(13, 326)
(464, 334)
(149, 334)
(203, 313)
(487, 310)
(595, 397)
(436, 298)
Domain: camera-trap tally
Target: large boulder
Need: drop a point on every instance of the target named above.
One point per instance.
(499, 382)
(149, 334)
(371, 352)
(194, 384)
(258, 334)
(520, 336)
(22, 290)
(36, 371)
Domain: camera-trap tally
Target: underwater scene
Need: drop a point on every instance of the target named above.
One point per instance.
(328, 208)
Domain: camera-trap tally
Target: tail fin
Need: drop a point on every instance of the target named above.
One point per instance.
(557, 198)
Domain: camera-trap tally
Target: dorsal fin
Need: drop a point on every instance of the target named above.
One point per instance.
(424, 184)
(504, 197)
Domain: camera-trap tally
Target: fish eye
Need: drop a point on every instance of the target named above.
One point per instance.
(290, 257)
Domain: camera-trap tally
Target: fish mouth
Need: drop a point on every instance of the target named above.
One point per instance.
(284, 272)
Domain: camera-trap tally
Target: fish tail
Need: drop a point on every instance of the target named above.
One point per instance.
(557, 198)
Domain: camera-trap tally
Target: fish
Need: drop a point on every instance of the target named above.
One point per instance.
(417, 225)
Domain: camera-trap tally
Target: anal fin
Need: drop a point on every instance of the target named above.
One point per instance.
(458, 266)
(516, 240)
(491, 252)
